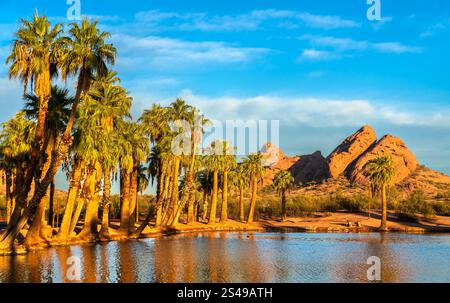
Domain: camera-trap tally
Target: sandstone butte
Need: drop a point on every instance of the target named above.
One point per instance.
(348, 160)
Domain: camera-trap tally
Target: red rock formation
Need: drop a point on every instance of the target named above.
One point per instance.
(404, 160)
(349, 150)
(310, 168)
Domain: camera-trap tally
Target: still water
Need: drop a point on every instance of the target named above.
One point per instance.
(241, 257)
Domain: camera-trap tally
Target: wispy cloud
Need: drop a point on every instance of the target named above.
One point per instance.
(396, 48)
(338, 47)
(241, 22)
(316, 55)
(141, 52)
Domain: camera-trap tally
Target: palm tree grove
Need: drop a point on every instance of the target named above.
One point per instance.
(93, 138)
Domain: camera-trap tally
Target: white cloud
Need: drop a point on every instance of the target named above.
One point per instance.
(312, 112)
(396, 48)
(340, 45)
(326, 22)
(248, 21)
(337, 43)
(142, 52)
(316, 55)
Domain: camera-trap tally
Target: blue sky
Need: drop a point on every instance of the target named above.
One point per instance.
(319, 66)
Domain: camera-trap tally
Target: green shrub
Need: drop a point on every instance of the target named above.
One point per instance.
(416, 204)
(441, 208)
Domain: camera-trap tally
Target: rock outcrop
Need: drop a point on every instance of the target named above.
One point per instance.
(349, 150)
(348, 161)
(275, 161)
(310, 168)
(404, 160)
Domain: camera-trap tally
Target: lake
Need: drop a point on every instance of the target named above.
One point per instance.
(240, 257)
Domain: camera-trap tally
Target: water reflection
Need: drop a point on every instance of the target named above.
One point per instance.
(241, 257)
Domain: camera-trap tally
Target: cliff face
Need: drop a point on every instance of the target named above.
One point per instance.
(349, 150)
(404, 160)
(349, 161)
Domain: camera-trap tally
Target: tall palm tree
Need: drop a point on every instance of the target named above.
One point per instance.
(36, 51)
(142, 184)
(239, 180)
(229, 162)
(133, 150)
(214, 162)
(178, 111)
(56, 119)
(381, 172)
(141, 151)
(252, 165)
(282, 182)
(16, 139)
(206, 184)
(88, 57)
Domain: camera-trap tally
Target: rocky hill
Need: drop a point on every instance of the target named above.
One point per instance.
(346, 165)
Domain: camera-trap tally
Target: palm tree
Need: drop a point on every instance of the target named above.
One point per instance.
(214, 162)
(133, 150)
(282, 182)
(142, 184)
(205, 179)
(252, 165)
(141, 150)
(381, 172)
(35, 53)
(56, 119)
(88, 57)
(229, 162)
(178, 111)
(16, 139)
(240, 180)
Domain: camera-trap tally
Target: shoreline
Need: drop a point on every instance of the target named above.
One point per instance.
(319, 223)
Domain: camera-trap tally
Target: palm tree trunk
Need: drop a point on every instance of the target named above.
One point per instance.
(74, 189)
(133, 197)
(253, 201)
(90, 229)
(175, 179)
(163, 184)
(76, 216)
(383, 226)
(212, 214)
(241, 204)
(104, 232)
(51, 205)
(191, 212)
(224, 212)
(8, 195)
(283, 206)
(125, 209)
(34, 233)
(205, 208)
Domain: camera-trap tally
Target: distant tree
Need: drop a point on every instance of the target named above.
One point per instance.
(381, 173)
(282, 182)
